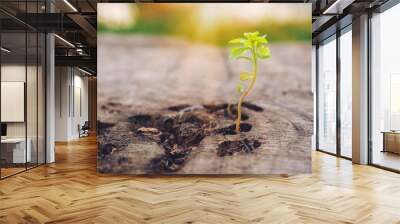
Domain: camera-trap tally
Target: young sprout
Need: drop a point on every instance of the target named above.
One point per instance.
(250, 47)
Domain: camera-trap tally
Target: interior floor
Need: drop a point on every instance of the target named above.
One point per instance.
(10, 171)
(70, 191)
(387, 159)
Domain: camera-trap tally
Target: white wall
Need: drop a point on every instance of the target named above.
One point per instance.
(80, 109)
(33, 127)
(70, 83)
(62, 81)
(12, 73)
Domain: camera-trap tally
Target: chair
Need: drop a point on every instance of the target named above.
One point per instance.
(84, 130)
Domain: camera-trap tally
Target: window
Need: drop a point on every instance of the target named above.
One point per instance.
(334, 138)
(385, 89)
(346, 92)
(327, 96)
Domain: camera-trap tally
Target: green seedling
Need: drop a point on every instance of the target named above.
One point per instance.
(250, 47)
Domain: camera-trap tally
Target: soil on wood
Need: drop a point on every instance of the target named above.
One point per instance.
(180, 133)
(229, 148)
(231, 129)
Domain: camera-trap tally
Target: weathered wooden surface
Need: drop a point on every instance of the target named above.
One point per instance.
(147, 75)
(71, 192)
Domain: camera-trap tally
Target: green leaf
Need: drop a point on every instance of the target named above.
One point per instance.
(237, 41)
(251, 35)
(240, 87)
(248, 43)
(236, 52)
(245, 76)
(262, 39)
(263, 52)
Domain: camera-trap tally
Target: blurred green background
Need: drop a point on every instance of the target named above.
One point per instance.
(213, 23)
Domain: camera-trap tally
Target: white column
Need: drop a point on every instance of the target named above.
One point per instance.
(360, 90)
(50, 98)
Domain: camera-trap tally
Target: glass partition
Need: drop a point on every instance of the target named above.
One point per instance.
(22, 77)
(13, 94)
(31, 99)
(33, 57)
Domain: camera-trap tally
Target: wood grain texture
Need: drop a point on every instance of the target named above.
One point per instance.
(139, 75)
(70, 191)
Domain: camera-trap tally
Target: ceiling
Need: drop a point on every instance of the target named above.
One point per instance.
(75, 22)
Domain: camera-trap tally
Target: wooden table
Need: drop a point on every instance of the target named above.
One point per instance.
(391, 141)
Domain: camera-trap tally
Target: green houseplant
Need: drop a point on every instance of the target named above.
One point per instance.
(251, 46)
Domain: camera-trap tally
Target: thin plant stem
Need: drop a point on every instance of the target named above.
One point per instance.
(245, 93)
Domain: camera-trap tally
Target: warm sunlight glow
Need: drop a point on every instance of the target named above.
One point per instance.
(117, 15)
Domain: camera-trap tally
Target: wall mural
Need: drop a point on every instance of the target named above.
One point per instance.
(204, 88)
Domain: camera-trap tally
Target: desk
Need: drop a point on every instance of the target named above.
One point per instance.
(391, 141)
(15, 148)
